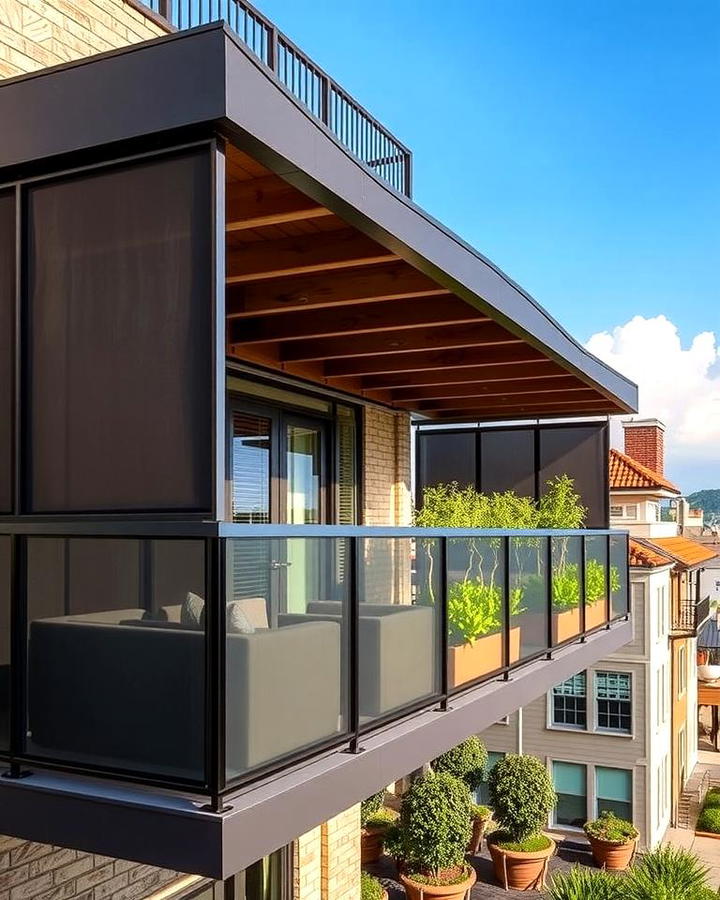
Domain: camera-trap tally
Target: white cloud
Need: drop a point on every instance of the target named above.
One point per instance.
(678, 385)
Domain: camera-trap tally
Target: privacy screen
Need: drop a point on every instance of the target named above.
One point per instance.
(521, 459)
(7, 305)
(119, 338)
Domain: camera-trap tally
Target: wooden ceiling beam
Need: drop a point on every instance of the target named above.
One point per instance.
(435, 337)
(303, 254)
(352, 319)
(392, 362)
(267, 201)
(531, 387)
(506, 372)
(510, 404)
(391, 281)
(527, 413)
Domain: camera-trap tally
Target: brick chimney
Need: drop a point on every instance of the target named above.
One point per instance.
(645, 442)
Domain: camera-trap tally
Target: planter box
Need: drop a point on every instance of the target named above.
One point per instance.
(595, 614)
(481, 657)
(566, 625)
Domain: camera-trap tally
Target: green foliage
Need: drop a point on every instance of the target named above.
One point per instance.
(450, 506)
(393, 843)
(712, 799)
(467, 762)
(371, 805)
(440, 880)
(709, 820)
(521, 795)
(608, 827)
(381, 820)
(475, 609)
(533, 844)
(370, 888)
(584, 884)
(566, 587)
(667, 873)
(477, 811)
(560, 507)
(435, 823)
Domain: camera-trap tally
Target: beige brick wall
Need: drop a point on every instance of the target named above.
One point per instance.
(39, 33)
(30, 871)
(387, 467)
(327, 859)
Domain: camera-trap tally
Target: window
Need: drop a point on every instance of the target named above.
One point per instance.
(653, 511)
(613, 699)
(613, 791)
(631, 511)
(616, 512)
(624, 512)
(661, 676)
(569, 702)
(481, 794)
(662, 611)
(682, 671)
(570, 780)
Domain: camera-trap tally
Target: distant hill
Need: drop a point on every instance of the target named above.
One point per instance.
(709, 501)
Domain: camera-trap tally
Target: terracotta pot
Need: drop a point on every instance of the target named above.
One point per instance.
(595, 614)
(482, 656)
(458, 891)
(566, 625)
(610, 855)
(521, 871)
(371, 844)
(478, 832)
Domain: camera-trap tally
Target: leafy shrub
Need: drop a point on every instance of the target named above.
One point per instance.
(712, 799)
(480, 812)
(533, 844)
(435, 823)
(608, 827)
(566, 587)
(667, 873)
(370, 888)
(521, 795)
(393, 843)
(560, 506)
(370, 806)
(709, 820)
(382, 819)
(467, 762)
(584, 884)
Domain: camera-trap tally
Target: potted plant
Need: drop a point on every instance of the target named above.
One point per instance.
(612, 840)
(580, 883)
(371, 888)
(375, 820)
(394, 847)
(467, 761)
(435, 827)
(521, 796)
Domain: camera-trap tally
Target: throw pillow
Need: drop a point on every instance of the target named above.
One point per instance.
(237, 620)
(192, 614)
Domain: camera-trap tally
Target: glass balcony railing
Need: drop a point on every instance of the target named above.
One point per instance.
(203, 656)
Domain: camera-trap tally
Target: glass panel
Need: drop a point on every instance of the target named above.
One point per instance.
(287, 656)
(116, 653)
(595, 581)
(5, 600)
(119, 338)
(569, 701)
(304, 466)
(399, 631)
(570, 781)
(266, 879)
(566, 563)
(251, 460)
(346, 499)
(476, 614)
(529, 593)
(618, 575)
(614, 701)
(580, 452)
(7, 330)
(446, 457)
(507, 461)
(614, 791)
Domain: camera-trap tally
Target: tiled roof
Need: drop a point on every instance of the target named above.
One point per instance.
(628, 473)
(685, 551)
(646, 557)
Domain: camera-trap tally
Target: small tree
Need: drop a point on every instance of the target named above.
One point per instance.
(467, 762)
(435, 823)
(370, 806)
(521, 795)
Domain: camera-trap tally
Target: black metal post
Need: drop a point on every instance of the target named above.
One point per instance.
(444, 661)
(272, 50)
(583, 589)
(507, 610)
(549, 575)
(325, 100)
(215, 670)
(18, 656)
(608, 584)
(354, 680)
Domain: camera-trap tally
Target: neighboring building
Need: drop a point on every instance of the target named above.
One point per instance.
(227, 314)
(623, 733)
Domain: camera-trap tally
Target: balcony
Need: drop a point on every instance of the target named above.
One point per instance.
(690, 615)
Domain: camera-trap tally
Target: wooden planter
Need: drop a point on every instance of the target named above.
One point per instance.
(371, 844)
(416, 891)
(612, 856)
(566, 625)
(595, 614)
(478, 833)
(521, 871)
(482, 656)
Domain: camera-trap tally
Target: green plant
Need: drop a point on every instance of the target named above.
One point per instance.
(370, 888)
(566, 587)
(521, 795)
(532, 844)
(608, 827)
(393, 843)
(382, 819)
(560, 506)
(584, 884)
(466, 761)
(709, 820)
(712, 799)
(435, 824)
(478, 811)
(370, 806)
(667, 873)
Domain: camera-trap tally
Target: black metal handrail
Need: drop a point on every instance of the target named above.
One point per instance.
(352, 124)
(691, 615)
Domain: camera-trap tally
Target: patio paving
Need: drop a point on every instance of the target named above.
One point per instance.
(486, 887)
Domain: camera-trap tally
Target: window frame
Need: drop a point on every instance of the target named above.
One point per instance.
(553, 822)
(595, 796)
(564, 726)
(604, 729)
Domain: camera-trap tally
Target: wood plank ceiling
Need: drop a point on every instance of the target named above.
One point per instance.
(313, 297)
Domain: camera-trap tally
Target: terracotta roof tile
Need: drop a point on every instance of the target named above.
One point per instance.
(685, 551)
(628, 473)
(643, 556)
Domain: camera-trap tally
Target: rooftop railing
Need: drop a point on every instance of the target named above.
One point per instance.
(202, 657)
(351, 124)
(690, 615)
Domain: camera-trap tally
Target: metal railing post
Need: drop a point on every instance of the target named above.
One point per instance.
(507, 610)
(583, 589)
(18, 656)
(215, 671)
(444, 626)
(608, 584)
(354, 680)
(549, 566)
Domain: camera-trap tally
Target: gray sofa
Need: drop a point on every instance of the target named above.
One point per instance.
(397, 652)
(132, 695)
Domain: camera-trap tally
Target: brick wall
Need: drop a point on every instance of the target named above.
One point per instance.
(645, 442)
(39, 33)
(30, 871)
(327, 859)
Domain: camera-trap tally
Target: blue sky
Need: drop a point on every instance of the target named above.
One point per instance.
(576, 143)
